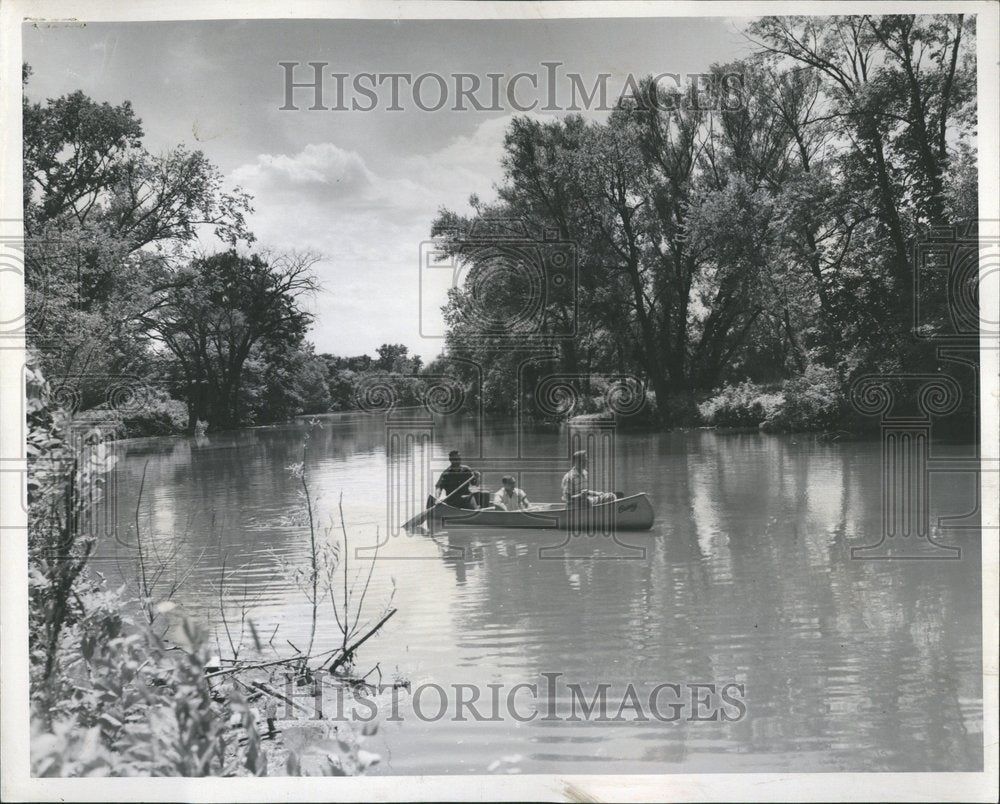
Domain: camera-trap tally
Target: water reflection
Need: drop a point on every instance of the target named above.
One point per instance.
(747, 577)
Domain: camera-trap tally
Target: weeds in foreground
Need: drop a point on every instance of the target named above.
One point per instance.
(110, 697)
(138, 707)
(329, 577)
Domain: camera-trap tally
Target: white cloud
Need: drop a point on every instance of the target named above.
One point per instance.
(367, 217)
(321, 164)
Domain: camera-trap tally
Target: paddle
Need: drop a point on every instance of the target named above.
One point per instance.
(422, 516)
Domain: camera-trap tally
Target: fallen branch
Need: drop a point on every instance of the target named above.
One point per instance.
(266, 689)
(259, 686)
(241, 668)
(346, 655)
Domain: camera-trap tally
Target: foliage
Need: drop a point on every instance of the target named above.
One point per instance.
(105, 220)
(742, 405)
(160, 415)
(282, 381)
(814, 400)
(113, 283)
(320, 749)
(156, 414)
(109, 697)
(347, 377)
(395, 358)
(137, 707)
(752, 241)
(68, 465)
(214, 314)
(106, 698)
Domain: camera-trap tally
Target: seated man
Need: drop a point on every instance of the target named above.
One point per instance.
(574, 484)
(509, 497)
(456, 482)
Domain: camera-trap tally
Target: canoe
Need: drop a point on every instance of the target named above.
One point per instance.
(626, 513)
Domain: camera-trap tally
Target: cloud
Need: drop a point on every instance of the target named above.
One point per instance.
(415, 182)
(368, 216)
(320, 164)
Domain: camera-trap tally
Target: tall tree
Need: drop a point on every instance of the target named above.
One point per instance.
(216, 311)
(106, 222)
(902, 88)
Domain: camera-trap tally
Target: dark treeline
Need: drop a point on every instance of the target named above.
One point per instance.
(765, 250)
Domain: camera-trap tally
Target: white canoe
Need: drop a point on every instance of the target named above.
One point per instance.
(626, 513)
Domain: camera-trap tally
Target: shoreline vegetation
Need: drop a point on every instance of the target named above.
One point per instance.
(122, 684)
(737, 268)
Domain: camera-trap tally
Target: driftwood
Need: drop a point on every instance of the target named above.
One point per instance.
(300, 660)
(259, 686)
(240, 668)
(267, 690)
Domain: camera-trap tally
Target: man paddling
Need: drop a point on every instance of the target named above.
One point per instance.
(455, 482)
(575, 484)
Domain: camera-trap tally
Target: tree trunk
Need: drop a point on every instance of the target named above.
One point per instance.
(890, 213)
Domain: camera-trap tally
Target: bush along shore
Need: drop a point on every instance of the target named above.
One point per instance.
(814, 402)
(113, 695)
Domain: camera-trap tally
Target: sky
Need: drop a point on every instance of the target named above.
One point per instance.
(359, 188)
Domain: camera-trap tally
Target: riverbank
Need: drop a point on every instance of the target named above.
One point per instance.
(817, 401)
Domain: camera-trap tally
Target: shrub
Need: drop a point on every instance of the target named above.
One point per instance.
(677, 410)
(133, 706)
(813, 401)
(743, 405)
(160, 415)
(156, 414)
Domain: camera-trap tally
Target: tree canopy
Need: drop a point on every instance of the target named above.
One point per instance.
(751, 240)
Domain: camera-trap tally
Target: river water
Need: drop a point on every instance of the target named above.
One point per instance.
(746, 578)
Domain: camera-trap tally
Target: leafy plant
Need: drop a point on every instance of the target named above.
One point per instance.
(743, 405)
(137, 706)
(813, 401)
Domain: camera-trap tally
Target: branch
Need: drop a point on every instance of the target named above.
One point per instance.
(346, 655)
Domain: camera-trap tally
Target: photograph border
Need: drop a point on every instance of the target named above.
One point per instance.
(16, 782)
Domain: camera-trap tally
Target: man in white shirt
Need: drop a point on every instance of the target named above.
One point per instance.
(509, 497)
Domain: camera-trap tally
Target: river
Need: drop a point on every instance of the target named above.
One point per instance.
(746, 579)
